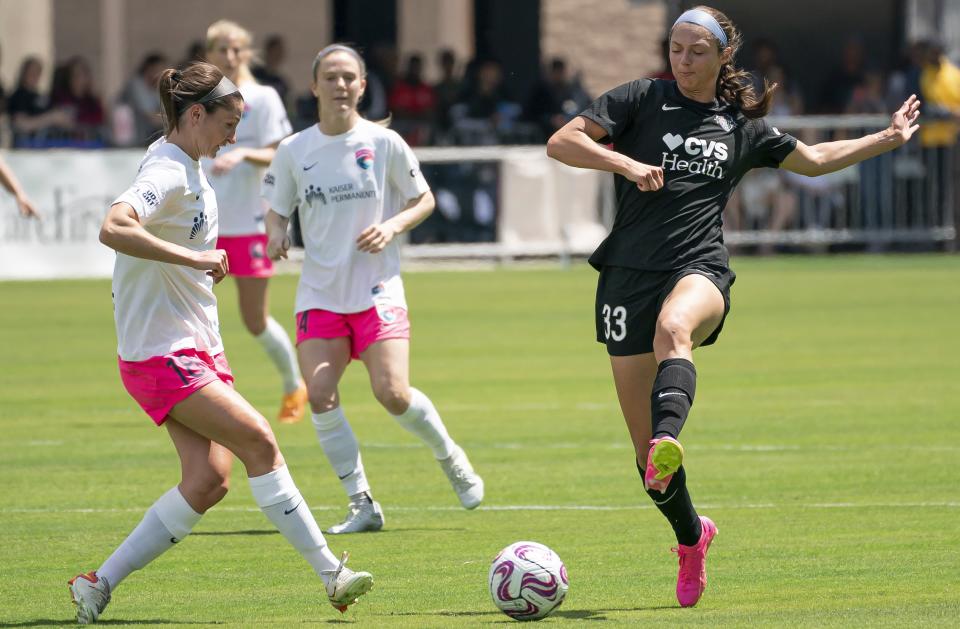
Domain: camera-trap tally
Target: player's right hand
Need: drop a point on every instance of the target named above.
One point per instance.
(648, 178)
(214, 262)
(277, 247)
(26, 207)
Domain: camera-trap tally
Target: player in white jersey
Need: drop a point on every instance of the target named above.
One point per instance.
(235, 176)
(357, 185)
(171, 359)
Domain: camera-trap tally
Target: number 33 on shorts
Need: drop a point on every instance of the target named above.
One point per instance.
(614, 322)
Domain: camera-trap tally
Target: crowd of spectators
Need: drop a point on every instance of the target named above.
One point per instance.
(468, 104)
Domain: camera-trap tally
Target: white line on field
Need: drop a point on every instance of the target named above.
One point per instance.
(639, 507)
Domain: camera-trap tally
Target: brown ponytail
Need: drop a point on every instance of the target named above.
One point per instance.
(735, 85)
(178, 89)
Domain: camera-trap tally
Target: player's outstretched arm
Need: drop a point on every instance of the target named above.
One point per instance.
(828, 157)
(575, 144)
(122, 232)
(9, 181)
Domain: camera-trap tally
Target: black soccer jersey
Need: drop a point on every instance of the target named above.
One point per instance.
(704, 151)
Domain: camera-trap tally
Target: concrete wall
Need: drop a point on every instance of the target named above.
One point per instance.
(608, 41)
(24, 32)
(428, 26)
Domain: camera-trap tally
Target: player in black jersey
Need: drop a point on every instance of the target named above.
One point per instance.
(679, 149)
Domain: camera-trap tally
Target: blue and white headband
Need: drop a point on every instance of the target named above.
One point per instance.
(707, 21)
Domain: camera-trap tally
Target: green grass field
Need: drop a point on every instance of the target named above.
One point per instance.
(824, 442)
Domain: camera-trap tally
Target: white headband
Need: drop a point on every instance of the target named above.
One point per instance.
(707, 21)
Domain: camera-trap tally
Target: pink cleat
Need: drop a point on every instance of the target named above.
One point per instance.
(692, 578)
(664, 458)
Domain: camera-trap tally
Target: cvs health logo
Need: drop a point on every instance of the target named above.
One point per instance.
(705, 156)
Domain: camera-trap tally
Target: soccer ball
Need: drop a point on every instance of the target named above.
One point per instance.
(527, 581)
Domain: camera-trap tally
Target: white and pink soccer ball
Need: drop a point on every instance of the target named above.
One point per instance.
(527, 581)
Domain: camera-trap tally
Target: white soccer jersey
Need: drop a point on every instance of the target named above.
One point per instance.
(159, 307)
(343, 184)
(264, 122)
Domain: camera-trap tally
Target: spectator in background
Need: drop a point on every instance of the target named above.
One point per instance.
(767, 70)
(74, 92)
(140, 94)
(905, 79)
(765, 199)
(268, 73)
(31, 117)
(380, 74)
(196, 51)
(447, 91)
(874, 174)
(484, 108)
(868, 97)
(940, 90)
(765, 62)
(412, 102)
(556, 99)
(838, 89)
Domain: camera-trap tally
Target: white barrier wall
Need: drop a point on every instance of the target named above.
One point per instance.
(542, 204)
(72, 190)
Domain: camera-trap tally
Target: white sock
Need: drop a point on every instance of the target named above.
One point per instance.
(342, 450)
(167, 522)
(276, 343)
(423, 420)
(280, 500)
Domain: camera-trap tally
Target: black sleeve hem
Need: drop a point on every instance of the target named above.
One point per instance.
(784, 150)
(603, 125)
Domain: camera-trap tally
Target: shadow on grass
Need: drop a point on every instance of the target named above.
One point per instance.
(405, 529)
(598, 614)
(250, 532)
(60, 622)
(571, 614)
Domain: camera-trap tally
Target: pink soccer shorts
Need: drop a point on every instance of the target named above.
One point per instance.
(161, 382)
(363, 328)
(247, 255)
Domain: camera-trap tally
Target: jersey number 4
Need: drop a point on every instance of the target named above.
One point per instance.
(614, 322)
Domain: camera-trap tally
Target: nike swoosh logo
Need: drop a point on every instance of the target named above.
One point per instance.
(288, 512)
(666, 393)
(310, 166)
(347, 475)
(668, 108)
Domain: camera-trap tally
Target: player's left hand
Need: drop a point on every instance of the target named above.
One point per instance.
(903, 122)
(374, 238)
(27, 209)
(227, 162)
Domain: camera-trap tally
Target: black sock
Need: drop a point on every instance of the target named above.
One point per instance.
(672, 397)
(676, 506)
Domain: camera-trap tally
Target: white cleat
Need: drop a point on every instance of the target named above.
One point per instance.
(90, 594)
(466, 482)
(362, 516)
(344, 586)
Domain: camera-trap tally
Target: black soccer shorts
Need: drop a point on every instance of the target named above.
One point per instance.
(629, 301)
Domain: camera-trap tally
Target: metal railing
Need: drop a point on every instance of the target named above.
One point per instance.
(902, 199)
